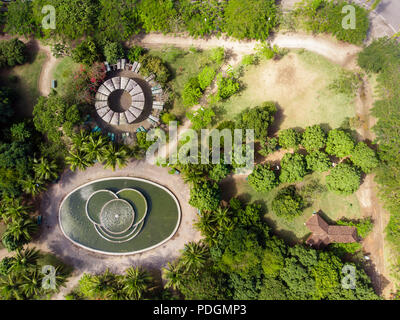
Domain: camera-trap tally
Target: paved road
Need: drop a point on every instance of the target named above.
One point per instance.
(390, 10)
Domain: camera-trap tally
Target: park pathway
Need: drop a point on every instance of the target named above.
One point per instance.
(340, 53)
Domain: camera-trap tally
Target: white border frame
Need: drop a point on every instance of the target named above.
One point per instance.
(123, 253)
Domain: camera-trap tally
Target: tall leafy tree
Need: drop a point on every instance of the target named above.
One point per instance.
(158, 15)
(364, 157)
(262, 179)
(343, 179)
(20, 18)
(253, 19)
(339, 143)
(118, 20)
(318, 161)
(259, 118)
(205, 196)
(289, 138)
(293, 168)
(288, 203)
(313, 138)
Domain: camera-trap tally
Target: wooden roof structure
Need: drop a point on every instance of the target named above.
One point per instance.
(324, 234)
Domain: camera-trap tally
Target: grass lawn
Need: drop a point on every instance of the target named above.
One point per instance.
(26, 84)
(298, 84)
(332, 206)
(183, 64)
(63, 72)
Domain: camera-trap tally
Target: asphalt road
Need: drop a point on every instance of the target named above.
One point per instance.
(390, 10)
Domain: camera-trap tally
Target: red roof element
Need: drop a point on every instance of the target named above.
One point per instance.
(323, 233)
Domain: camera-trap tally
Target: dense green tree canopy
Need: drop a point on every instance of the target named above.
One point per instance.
(380, 54)
(202, 17)
(52, 114)
(20, 19)
(113, 51)
(318, 161)
(289, 138)
(74, 18)
(293, 168)
(205, 196)
(288, 203)
(200, 118)
(6, 109)
(251, 19)
(12, 52)
(259, 118)
(320, 16)
(339, 143)
(86, 52)
(343, 179)
(364, 157)
(314, 138)
(262, 179)
(158, 15)
(118, 20)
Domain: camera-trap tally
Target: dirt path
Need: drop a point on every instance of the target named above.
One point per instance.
(45, 74)
(338, 52)
(374, 244)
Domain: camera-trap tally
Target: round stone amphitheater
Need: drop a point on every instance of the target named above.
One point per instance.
(119, 100)
(127, 97)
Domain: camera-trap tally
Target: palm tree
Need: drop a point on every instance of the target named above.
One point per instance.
(223, 219)
(94, 148)
(10, 287)
(136, 282)
(77, 159)
(32, 186)
(32, 284)
(103, 285)
(80, 139)
(194, 256)
(193, 177)
(207, 227)
(21, 228)
(173, 275)
(25, 260)
(14, 210)
(45, 169)
(118, 291)
(115, 156)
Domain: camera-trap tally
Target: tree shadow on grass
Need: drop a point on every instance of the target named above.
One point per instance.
(278, 120)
